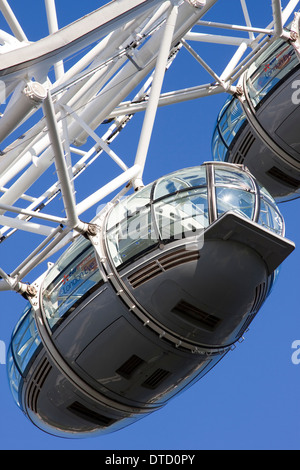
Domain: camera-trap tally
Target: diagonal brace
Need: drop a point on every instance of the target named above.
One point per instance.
(61, 166)
(150, 114)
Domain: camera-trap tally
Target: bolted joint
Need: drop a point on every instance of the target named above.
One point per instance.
(31, 291)
(26, 290)
(239, 91)
(92, 230)
(294, 36)
(35, 92)
(86, 229)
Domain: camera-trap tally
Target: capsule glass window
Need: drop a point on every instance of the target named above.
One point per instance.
(179, 181)
(269, 69)
(133, 235)
(75, 273)
(182, 215)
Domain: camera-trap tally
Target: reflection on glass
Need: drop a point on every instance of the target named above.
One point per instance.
(183, 214)
(182, 179)
(131, 236)
(14, 377)
(233, 177)
(74, 274)
(180, 207)
(219, 150)
(231, 121)
(270, 217)
(228, 124)
(128, 206)
(24, 343)
(269, 69)
(236, 200)
(263, 75)
(25, 339)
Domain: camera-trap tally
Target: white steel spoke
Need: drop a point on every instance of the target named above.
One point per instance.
(160, 68)
(61, 166)
(247, 19)
(12, 21)
(125, 49)
(53, 27)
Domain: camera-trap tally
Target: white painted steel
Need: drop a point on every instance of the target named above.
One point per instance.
(125, 48)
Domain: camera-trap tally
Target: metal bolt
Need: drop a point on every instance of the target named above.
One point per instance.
(294, 36)
(239, 90)
(92, 230)
(31, 291)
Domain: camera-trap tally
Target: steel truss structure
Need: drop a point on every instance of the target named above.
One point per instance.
(119, 55)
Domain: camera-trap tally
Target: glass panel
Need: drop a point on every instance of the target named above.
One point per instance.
(233, 177)
(14, 377)
(219, 150)
(235, 200)
(182, 179)
(270, 217)
(231, 121)
(129, 205)
(69, 280)
(25, 340)
(67, 259)
(182, 214)
(131, 236)
(266, 195)
(269, 69)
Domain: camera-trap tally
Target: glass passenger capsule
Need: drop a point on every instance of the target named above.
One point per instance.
(130, 317)
(269, 91)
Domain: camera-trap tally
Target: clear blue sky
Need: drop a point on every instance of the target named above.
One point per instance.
(251, 399)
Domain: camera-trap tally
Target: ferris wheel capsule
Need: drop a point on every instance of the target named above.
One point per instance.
(258, 127)
(154, 298)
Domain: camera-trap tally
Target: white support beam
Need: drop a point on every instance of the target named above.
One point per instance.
(109, 188)
(35, 252)
(289, 9)
(277, 13)
(172, 97)
(158, 78)
(42, 252)
(53, 28)
(61, 167)
(204, 64)
(234, 61)
(75, 36)
(12, 21)
(25, 226)
(215, 39)
(247, 19)
(97, 139)
(235, 27)
(27, 99)
(32, 214)
(250, 58)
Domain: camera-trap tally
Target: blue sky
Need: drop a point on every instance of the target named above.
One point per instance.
(251, 399)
